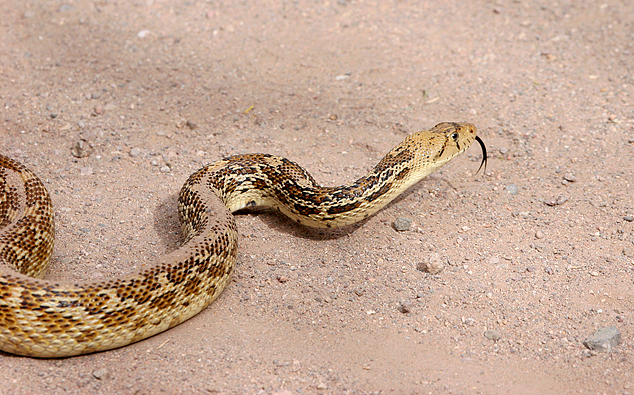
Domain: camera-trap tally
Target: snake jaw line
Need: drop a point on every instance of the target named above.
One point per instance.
(40, 318)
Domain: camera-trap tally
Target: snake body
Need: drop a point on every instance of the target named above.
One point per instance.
(41, 318)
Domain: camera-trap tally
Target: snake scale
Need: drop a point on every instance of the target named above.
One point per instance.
(41, 318)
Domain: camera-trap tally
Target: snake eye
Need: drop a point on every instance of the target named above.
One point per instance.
(454, 136)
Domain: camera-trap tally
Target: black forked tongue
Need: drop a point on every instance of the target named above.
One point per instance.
(484, 155)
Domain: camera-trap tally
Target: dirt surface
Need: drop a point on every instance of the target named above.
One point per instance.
(539, 248)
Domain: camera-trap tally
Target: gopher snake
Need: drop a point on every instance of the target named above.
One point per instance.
(41, 318)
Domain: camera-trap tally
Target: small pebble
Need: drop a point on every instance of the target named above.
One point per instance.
(556, 202)
(98, 110)
(66, 8)
(549, 271)
(165, 169)
(135, 152)
(493, 335)
(282, 279)
(181, 123)
(81, 149)
(494, 260)
(402, 224)
(570, 177)
(629, 218)
(604, 339)
(433, 265)
(512, 189)
(405, 306)
(539, 234)
(101, 374)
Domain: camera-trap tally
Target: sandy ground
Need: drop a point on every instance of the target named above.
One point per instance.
(539, 248)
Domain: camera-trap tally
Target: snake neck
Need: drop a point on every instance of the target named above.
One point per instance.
(262, 180)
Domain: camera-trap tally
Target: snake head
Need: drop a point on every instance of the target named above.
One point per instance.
(459, 137)
(437, 146)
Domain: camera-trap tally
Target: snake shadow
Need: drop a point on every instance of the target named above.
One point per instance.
(167, 223)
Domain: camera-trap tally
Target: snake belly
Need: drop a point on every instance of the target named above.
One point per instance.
(42, 318)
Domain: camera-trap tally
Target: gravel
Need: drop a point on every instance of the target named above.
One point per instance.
(433, 265)
(604, 339)
(81, 149)
(405, 306)
(493, 335)
(402, 224)
(136, 152)
(556, 202)
(101, 374)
